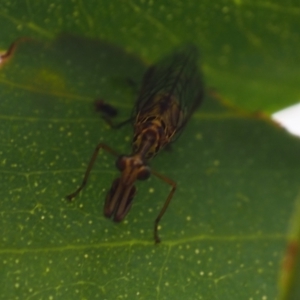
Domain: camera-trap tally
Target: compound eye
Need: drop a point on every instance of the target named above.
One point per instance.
(144, 173)
(121, 163)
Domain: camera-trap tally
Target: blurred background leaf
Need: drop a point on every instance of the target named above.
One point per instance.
(238, 174)
(290, 273)
(249, 48)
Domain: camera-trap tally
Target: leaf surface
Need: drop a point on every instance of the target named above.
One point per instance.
(224, 233)
(225, 224)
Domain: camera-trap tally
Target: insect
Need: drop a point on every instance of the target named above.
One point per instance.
(171, 90)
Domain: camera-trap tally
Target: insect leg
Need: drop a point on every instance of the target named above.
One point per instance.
(105, 108)
(90, 166)
(108, 112)
(166, 204)
(118, 125)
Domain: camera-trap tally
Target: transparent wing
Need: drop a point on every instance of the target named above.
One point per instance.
(176, 75)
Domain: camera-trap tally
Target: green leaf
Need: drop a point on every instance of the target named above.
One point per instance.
(249, 48)
(224, 232)
(290, 273)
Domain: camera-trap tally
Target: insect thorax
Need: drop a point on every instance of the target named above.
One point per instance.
(156, 125)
